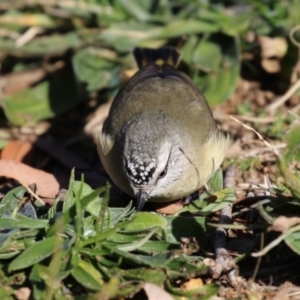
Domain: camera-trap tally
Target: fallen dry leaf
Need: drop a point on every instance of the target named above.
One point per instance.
(17, 150)
(46, 184)
(272, 47)
(154, 292)
(272, 50)
(271, 65)
(192, 284)
(283, 223)
(168, 208)
(22, 293)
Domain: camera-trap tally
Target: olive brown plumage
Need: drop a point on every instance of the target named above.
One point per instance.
(160, 141)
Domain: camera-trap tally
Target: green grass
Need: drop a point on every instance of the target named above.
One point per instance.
(81, 248)
(89, 249)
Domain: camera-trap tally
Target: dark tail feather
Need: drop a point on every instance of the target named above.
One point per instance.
(162, 56)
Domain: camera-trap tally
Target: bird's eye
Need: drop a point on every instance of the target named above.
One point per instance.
(163, 173)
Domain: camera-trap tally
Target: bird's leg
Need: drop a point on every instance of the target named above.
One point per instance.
(190, 198)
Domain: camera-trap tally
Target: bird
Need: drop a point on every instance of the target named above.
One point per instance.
(160, 141)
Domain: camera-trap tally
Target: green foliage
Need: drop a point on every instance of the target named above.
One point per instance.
(98, 37)
(214, 200)
(92, 249)
(283, 213)
(293, 140)
(82, 247)
(45, 100)
(292, 155)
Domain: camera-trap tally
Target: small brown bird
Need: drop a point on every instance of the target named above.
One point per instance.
(160, 142)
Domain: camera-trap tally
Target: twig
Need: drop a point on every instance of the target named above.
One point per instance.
(28, 36)
(261, 120)
(223, 258)
(262, 240)
(34, 195)
(291, 35)
(258, 134)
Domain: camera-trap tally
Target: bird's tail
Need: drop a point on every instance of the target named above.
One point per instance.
(160, 57)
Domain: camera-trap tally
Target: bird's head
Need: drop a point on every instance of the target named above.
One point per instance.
(154, 160)
(151, 172)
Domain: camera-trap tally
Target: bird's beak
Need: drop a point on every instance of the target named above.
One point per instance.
(142, 197)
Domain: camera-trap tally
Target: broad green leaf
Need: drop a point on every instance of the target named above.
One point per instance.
(218, 86)
(136, 9)
(86, 275)
(208, 55)
(293, 143)
(55, 44)
(136, 244)
(76, 190)
(216, 182)
(188, 49)
(125, 36)
(125, 237)
(9, 255)
(158, 246)
(23, 222)
(70, 214)
(159, 260)
(6, 293)
(11, 201)
(88, 224)
(117, 213)
(95, 70)
(103, 235)
(152, 43)
(197, 205)
(237, 23)
(45, 100)
(293, 241)
(35, 253)
(184, 267)
(156, 276)
(292, 181)
(76, 11)
(224, 197)
(143, 221)
(178, 28)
